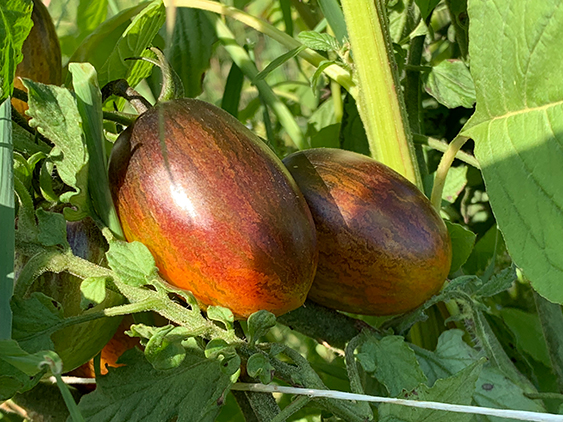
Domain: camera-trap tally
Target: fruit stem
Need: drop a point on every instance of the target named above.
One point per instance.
(443, 168)
(122, 89)
(172, 86)
(122, 118)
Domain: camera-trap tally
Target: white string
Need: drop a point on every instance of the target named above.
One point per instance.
(501, 413)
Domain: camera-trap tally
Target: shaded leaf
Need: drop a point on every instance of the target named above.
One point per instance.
(52, 228)
(138, 392)
(457, 389)
(392, 362)
(492, 389)
(462, 244)
(191, 48)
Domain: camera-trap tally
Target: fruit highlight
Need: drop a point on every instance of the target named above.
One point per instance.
(217, 209)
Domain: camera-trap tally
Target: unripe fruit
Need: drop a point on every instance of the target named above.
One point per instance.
(41, 54)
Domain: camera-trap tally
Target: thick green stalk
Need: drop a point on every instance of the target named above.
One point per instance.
(380, 101)
(7, 215)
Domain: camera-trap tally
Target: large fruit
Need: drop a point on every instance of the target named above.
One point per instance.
(79, 343)
(382, 248)
(41, 54)
(217, 209)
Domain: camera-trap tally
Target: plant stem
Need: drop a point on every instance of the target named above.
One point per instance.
(380, 101)
(413, 96)
(334, 72)
(122, 89)
(323, 324)
(124, 119)
(443, 168)
(443, 147)
(7, 216)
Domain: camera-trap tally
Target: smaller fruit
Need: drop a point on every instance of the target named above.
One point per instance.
(383, 249)
(41, 54)
(78, 343)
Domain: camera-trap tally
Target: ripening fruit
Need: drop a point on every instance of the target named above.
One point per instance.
(383, 249)
(217, 209)
(41, 54)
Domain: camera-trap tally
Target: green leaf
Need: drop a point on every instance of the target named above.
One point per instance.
(15, 24)
(455, 183)
(498, 283)
(450, 83)
(93, 291)
(191, 48)
(18, 369)
(457, 389)
(132, 262)
(462, 244)
(99, 45)
(12, 353)
(233, 88)
(259, 366)
(278, 61)
(516, 64)
(426, 7)
(90, 14)
(224, 315)
(133, 43)
(54, 113)
(392, 362)
(138, 392)
(528, 332)
(35, 319)
(89, 102)
(52, 228)
(318, 73)
(7, 216)
(317, 41)
(352, 133)
(333, 13)
(259, 323)
(164, 349)
(489, 247)
(492, 389)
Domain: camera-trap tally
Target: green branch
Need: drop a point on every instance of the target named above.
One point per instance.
(380, 102)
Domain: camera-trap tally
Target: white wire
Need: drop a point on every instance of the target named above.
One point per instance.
(522, 415)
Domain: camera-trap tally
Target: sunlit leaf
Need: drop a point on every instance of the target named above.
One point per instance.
(516, 63)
